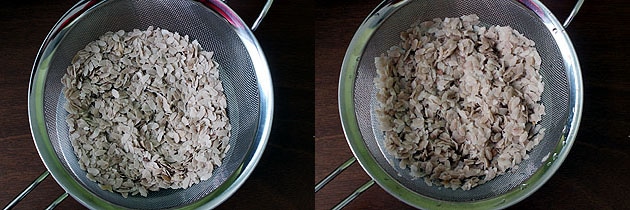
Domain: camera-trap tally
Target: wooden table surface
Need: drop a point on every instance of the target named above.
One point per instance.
(283, 178)
(298, 39)
(593, 176)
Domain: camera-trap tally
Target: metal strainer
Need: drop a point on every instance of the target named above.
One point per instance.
(562, 98)
(243, 70)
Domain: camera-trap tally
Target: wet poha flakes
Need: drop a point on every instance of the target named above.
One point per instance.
(459, 103)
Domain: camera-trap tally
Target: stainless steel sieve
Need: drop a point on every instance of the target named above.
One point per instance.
(562, 98)
(244, 72)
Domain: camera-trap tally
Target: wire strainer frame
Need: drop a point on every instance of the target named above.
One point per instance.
(73, 187)
(387, 181)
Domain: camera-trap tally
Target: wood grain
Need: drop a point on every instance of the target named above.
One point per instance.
(591, 177)
(283, 177)
(307, 141)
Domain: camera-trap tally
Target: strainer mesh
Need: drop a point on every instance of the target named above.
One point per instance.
(187, 18)
(555, 96)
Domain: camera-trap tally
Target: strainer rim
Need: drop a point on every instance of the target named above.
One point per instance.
(54, 164)
(386, 181)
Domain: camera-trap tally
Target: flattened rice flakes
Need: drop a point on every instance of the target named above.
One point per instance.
(459, 103)
(146, 110)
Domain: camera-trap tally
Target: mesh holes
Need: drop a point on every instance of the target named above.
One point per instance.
(185, 17)
(555, 96)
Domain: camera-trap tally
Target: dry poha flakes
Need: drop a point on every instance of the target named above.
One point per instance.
(459, 102)
(146, 110)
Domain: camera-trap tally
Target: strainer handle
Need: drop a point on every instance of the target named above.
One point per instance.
(28, 189)
(354, 195)
(57, 201)
(334, 173)
(262, 14)
(574, 12)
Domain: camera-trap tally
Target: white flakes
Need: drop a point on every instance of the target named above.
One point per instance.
(545, 158)
(115, 93)
(132, 99)
(458, 102)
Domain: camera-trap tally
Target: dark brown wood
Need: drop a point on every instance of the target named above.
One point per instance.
(594, 174)
(297, 39)
(283, 177)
